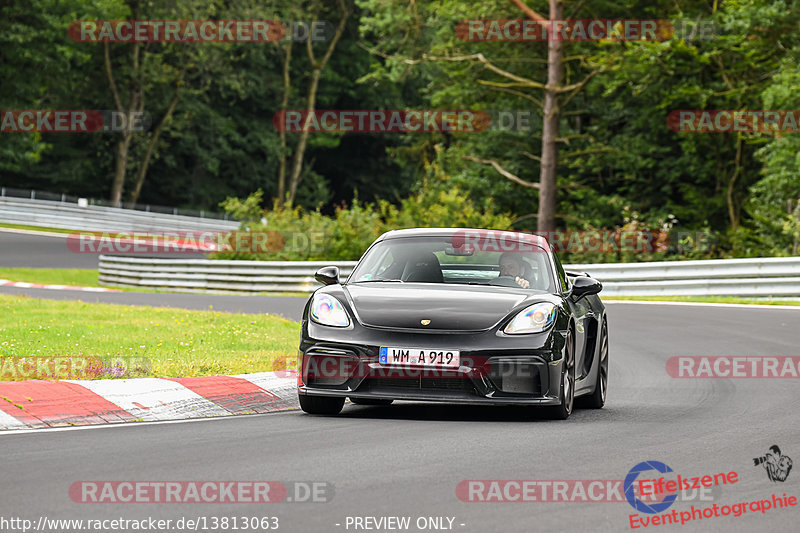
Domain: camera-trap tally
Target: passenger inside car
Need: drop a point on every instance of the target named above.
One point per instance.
(513, 266)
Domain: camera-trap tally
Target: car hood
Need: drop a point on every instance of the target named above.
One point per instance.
(447, 307)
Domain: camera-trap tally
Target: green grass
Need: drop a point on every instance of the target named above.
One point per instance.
(36, 228)
(52, 276)
(88, 278)
(705, 299)
(170, 342)
(62, 276)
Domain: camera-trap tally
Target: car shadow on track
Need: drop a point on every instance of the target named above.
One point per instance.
(470, 413)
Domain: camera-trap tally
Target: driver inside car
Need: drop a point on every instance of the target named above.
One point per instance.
(512, 265)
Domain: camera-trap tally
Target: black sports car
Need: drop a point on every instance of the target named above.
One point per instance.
(455, 315)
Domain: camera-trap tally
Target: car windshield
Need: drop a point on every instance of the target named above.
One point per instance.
(436, 260)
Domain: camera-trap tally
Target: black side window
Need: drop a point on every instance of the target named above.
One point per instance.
(562, 277)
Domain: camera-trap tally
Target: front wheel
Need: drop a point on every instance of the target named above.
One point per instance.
(320, 405)
(567, 396)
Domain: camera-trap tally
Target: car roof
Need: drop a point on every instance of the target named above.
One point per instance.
(482, 233)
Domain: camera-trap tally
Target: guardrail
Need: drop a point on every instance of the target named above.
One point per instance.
(204, 275)
(759, 278)
(85, 217)
(30, 194)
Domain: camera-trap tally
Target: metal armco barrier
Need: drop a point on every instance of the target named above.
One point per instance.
(66, 215)
(201, 275)
(759, 278)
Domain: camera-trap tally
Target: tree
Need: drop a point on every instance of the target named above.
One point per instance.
(35, 73)
(551, 117)
(719, 59)
(317, 66)
(139, 69)
(518, 81)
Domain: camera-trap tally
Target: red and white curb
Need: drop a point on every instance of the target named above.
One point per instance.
(26, 285)
(41, 404)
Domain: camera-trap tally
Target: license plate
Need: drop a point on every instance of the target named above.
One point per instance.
(419, 357)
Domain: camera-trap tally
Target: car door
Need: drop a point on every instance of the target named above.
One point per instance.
(581, 313)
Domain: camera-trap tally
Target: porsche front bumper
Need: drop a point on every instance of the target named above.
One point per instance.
(494, 369)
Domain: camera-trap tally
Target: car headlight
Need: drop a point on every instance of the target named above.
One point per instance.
(532, 319)
(327, 310)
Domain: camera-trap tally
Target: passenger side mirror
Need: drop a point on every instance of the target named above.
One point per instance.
(328, 275)
(584, 286)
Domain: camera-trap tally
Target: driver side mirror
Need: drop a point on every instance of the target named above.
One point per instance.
(584, 286)
(328, 275)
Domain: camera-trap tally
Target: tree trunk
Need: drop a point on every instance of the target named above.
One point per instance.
(316, 72)
(550, 127)
(137, 189)
(119, 171)
(297, 164)
(135, 102)
(282, 131)
(733, 216)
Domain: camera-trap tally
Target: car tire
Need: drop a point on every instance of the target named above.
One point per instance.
(370, 401)
(567, 385)
(597, 399)
(320, 405)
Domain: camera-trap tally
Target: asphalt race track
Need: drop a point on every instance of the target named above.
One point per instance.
(48, 251)
(40, 251)
(407, 459)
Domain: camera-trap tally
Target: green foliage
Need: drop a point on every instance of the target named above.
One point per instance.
(774, 200)
(619, 165)
(247, 209)
(313, 236)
